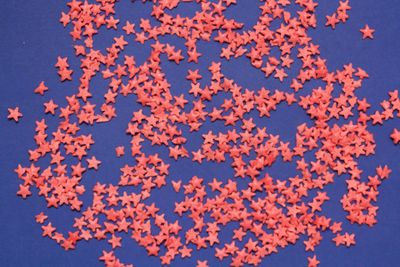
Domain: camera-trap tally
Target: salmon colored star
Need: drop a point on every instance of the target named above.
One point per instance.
(14, 114)
(367, 32)
(395, 136)
(41, 89)
(50, 107)
(313, 262)
(93, 163)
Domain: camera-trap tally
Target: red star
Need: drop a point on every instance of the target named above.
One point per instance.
(41, 88)
(367, 32)
(14, 114)
(395, 136)
(313, 262)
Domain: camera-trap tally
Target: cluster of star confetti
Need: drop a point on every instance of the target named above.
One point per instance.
(270, 213)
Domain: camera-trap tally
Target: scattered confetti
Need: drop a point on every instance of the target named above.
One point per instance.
(269, 213)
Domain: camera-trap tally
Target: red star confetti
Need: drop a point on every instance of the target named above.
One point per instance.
(41, 89)
(367, 32)
(268, 213)
(395, 136)
(14, 114)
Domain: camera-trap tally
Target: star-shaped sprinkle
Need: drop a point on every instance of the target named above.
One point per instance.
(395, 135)
(312, 261)
(14, 114)
(367, 32)
(41, 89)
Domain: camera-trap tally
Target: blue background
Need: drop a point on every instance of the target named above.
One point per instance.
(30, 41)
